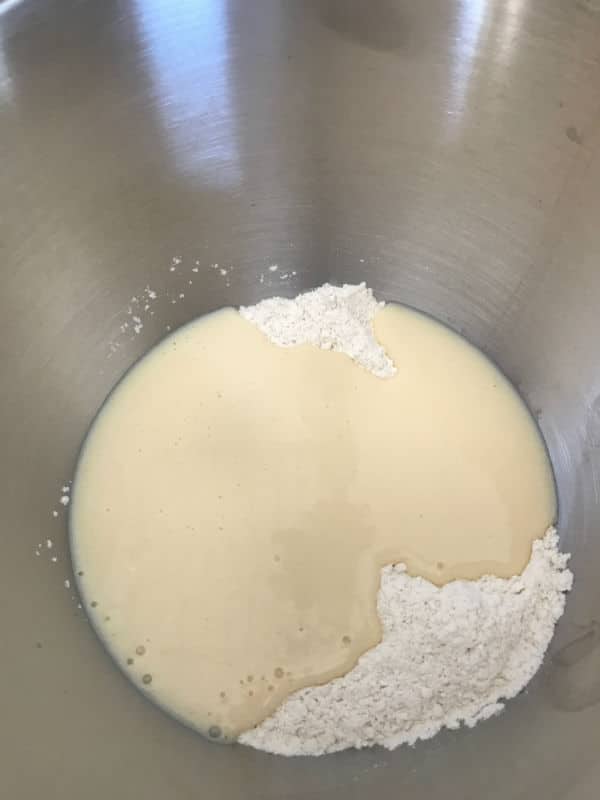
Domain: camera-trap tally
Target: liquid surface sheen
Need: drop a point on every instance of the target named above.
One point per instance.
(235, 501)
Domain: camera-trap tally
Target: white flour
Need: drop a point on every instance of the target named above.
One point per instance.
(330, 317)
(449, 655)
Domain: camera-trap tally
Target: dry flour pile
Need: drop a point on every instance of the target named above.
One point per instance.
(332, 317)
(449, 655)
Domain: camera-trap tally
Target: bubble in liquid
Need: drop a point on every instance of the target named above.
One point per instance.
(140, 649)
(147, 678)
(215, 732)
(278, 672)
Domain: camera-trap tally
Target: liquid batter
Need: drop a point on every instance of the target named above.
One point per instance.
(235, 501)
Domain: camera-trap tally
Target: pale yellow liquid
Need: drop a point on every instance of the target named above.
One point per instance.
(235, 502)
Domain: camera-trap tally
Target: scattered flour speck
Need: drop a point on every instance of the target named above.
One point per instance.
(139, 306)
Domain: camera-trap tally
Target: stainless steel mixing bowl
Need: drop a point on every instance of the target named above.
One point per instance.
(448, 153)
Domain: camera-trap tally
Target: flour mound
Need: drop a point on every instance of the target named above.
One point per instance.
(331, 317)
(450, 655)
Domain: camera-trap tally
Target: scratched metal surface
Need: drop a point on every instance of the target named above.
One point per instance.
(446, 152)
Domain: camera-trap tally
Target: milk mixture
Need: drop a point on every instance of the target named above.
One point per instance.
(235, 502)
